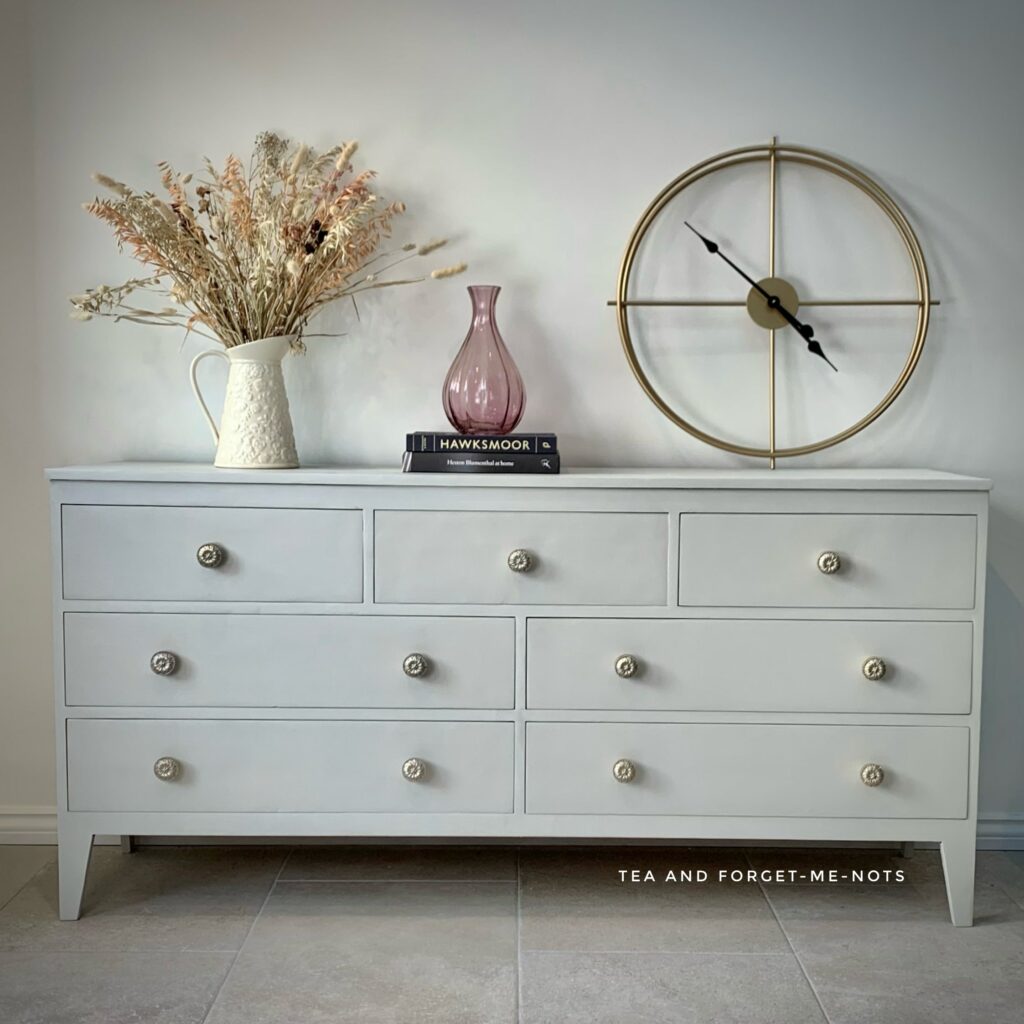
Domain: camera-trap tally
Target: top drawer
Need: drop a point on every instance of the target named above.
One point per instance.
(149, 553)
(776, 560)
(605, 558)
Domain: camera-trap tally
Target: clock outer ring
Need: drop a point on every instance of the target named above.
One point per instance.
(811, 158)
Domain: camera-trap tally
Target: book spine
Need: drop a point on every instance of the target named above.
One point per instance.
(476, 462)
(508, 444)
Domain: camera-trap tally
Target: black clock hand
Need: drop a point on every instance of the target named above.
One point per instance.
(712, 247)
(806, 331)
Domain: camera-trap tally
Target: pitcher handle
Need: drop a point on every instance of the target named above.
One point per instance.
(195, 386)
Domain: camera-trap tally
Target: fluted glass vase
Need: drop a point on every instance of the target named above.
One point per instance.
(483, 392)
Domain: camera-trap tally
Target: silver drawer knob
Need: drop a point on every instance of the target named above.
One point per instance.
(627, 666)
(872, 775)
(520, 560)
(414, 769)
(416, 665)
(829, 562)
(211, 556)
(624, 770)
(167, 769)
(874, 669)
(164, 663)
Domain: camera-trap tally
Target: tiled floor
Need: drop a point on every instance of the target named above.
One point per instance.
(405, 935)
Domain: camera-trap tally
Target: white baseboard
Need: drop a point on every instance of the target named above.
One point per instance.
(38, 826)
(1003, 833)
(34, 826)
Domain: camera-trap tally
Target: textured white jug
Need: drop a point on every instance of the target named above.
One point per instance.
(255, 429)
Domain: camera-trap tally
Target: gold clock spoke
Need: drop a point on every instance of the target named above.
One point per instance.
(724, 303)
(771, 205)
(771, 398)
(772, 161)
(677, 302)
(867, 302)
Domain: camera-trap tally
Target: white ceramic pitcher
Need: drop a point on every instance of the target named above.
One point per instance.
(255, 429)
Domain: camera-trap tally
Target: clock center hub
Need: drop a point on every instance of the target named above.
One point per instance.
(764, 312)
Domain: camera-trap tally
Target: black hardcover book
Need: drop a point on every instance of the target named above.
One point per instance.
(478, 462)
(505, 444)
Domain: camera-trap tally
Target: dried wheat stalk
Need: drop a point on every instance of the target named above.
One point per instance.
(252, 253)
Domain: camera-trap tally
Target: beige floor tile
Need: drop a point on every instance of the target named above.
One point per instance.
(160, 898)
(688, 988)
(895, 902)
(401, 863)
(18, 864)
(881, 953)
(1005, 870)
(577, 900)
(109, 988)
(380, 952)
(321, 986)
(855, 993)
(375, 949)
(389, 920)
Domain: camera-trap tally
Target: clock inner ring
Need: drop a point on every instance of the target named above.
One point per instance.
(762, 313)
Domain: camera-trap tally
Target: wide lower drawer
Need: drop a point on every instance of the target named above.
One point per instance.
(161, 553)
(356, 661)
(611, 558)
(746, 770)
(827, 561)
(749, 665)
(236, 766)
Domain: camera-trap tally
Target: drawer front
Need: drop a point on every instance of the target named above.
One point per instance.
(771, 560)
(749, 665)
(584, 558)
(237, 766)
(288, 661)
(747, 770)
(149, 553)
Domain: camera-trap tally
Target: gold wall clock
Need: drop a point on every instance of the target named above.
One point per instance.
(773, 301)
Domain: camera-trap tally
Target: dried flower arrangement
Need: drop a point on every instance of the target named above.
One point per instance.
(258, 251)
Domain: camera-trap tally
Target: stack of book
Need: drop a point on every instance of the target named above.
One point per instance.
(478, 453)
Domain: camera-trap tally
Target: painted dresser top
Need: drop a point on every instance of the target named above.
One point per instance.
(652, 479)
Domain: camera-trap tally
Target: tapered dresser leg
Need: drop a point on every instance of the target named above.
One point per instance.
(74, 847)
(958, 865)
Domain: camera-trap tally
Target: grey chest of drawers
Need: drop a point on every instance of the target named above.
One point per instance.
(605, 654)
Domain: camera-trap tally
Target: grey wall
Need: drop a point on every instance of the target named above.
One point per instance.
(535, 133)
(26, 704)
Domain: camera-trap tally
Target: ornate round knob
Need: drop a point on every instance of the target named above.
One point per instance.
(874, 669)
(627, 666)
(520, 560)
(414, 769)
(164, 663)
(829, 562)
(211, 556)
(624, 770)
(167, 769)
(872, 775)
(416, 665)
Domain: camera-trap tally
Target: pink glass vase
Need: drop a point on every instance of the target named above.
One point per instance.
(483, 392)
